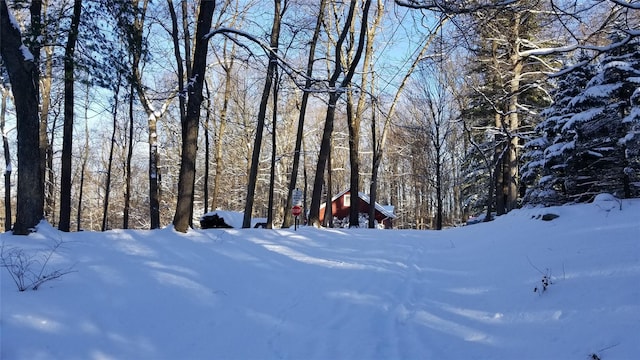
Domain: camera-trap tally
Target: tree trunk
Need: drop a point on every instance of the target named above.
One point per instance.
(207, 150)
(67, 135)
(334, 96)
(272, 173)
(186, 181)
(255, 158)
(107, 185)
(303, 110)
(47, 146)
(127, 178)
(439, 205)
(7, 161)
(323, 156)
(514, 124)
(353, 122)
(152, 115)
(23, 74)
(222, 128)
(499, 167)
(50, 176)
(375, 165)
(37, 34)
(85, 159)
(355, 119)
(328, 204)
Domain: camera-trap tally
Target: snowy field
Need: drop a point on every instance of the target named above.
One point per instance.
(463, 293)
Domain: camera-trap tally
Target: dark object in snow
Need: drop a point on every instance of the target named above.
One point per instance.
(549, 217)
(260, 225)
(212, 221)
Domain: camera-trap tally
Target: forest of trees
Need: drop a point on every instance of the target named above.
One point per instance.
(143, 114)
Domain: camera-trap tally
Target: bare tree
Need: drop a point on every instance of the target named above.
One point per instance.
(355, 115)
(303, 111)
(186, 183)
(107, 187)
(227, 64)
(67, 140)
(379, 136)
(271, 69)
(337, 88)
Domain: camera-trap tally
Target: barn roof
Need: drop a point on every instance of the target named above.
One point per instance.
(384, 210)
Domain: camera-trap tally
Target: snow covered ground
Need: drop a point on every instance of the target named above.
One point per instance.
(463, 293)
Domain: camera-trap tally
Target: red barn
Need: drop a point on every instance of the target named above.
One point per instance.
(341, 205)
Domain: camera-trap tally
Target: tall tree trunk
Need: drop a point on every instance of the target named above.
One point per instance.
(187, 37)
(439, 205)
(23, 74)
(355, 119)
(85, 159)
(334, 95)
(83, 169)
(272, 172)
(514, 124)
(222, 128)
(323, 156)
(127, 177)
(46, 143)
(50, 176)
(207, 150)
(303, 110)
(178, 57)
(67, 135)
(186, 181)
(353, 123)
(152, 115)
(107, 185)
(7, 160)
(499, 167)
(328, 205)
(375, 165)
(51, 34)
(37, 9)
(257, 144)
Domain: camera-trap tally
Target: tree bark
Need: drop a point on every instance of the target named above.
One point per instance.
(67, 136)
(7, 160)
(46, 143)
(336, 91)
(303, 110)
(186, 182)
(353, 123)
(152, 115)
(227, 67)
(23, 75)
(107, 185)
(272, 173)
(207, 150)
(354, 120)
(514, 124)
(257, 144)
(127, 168)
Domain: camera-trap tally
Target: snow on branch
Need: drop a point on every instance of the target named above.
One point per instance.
(454, 6)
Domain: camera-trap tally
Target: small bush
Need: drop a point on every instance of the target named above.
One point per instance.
(29, 271)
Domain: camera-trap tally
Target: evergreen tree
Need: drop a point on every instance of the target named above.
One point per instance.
(544, 170)
(506, 97)
(606, 128)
